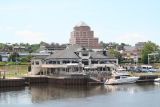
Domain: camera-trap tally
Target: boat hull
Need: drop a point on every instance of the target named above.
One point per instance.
(157, 80)
(127, 80)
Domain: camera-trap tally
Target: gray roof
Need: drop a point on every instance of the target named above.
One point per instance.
(68, 53)
(41, 49)
(40, 57)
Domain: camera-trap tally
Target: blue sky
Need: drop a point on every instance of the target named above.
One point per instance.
(119, 21)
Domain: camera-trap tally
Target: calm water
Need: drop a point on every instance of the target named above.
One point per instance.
(133, 95)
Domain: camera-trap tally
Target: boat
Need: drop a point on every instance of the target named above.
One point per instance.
(157, 80)
(121, 78)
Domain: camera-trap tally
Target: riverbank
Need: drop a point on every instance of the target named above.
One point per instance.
(13, 71)
(13, 63)
(82, 80)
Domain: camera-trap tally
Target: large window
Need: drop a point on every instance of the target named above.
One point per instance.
(37, 62)
(84, 54)
(94, 62)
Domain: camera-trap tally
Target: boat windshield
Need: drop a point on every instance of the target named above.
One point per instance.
(122, 76)
(117, 77)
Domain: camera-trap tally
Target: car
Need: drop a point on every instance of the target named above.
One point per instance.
(147, 68)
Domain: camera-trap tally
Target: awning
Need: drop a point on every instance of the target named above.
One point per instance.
(60, 65)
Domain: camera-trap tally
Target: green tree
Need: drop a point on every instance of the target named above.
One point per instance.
(14, 57)
(26, 59)
(149, 47)
(34, 47)
(116, 54)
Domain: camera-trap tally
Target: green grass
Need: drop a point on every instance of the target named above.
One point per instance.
(13, 63)
(14, 70)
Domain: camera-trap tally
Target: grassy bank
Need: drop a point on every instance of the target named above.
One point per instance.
(14, 70)
(13, 63)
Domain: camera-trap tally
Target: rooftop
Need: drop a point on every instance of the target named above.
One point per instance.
(81, 24)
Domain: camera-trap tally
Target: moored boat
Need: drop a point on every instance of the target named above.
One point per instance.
(157, 80)
(121, 78)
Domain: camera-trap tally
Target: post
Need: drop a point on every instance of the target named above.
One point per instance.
(148, 60)
(4, 72)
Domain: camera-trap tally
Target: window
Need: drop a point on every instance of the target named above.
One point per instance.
(84, 33)
(37, 62)
(117, 77)
(85, 54)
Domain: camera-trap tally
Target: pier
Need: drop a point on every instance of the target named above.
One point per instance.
(147, 78)
(65, 80)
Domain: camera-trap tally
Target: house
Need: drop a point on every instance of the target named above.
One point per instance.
(74, 57)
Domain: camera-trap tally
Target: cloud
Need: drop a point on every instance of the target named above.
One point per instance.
(131, 38)
(30, 36)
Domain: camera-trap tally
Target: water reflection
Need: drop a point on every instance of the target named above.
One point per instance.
(44, 93)
(49, 92)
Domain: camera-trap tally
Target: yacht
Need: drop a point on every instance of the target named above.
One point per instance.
(157, 80)
(121, 78)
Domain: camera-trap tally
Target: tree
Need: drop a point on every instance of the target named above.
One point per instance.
(14, 57)
(34, 47)
(116, 54)
(103, 44)
(26, 59)
(149, 47)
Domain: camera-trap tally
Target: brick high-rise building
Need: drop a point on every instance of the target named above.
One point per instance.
(84, 36)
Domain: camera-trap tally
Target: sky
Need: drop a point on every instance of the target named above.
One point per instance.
(32, 21)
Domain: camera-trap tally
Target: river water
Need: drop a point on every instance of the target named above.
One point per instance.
(131, 95)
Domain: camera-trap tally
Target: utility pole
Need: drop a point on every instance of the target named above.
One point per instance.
(148, 60)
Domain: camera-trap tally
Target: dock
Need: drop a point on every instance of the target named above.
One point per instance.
(147, 78)
(76, 80)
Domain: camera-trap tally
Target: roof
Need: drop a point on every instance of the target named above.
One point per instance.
(42, 48)
(40, 57)
(68, 53)
(129, 48)
(81, 24)
(58, 65)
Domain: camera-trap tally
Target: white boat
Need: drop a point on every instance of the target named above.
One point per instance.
(157, 80)
(121, 78)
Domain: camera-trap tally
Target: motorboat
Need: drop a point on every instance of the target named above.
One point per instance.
(157, 80)
(121, 78)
